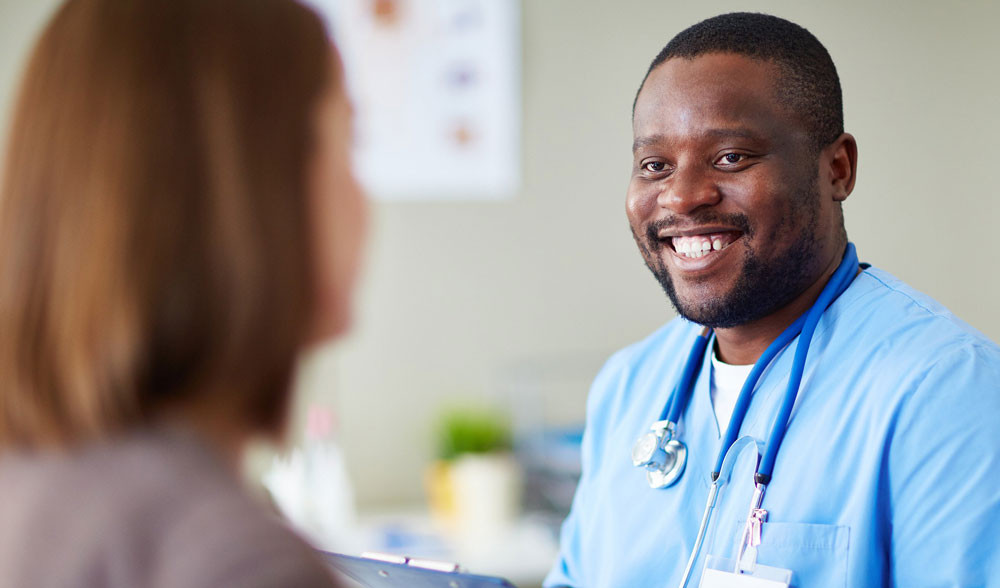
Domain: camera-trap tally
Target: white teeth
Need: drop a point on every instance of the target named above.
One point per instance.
(695, 247)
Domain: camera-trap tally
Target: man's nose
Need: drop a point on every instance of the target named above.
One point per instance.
(688, 189)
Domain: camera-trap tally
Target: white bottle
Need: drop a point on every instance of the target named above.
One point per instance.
(312, 488)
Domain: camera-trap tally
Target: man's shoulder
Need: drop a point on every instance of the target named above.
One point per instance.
(905, 344)
(891, 312)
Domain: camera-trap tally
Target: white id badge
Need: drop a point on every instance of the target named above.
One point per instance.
(720, 572)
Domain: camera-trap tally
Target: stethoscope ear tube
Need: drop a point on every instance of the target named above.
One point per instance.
(743, 400)
(713, 491)
(841, 279)
(839, 282)
(675, 408)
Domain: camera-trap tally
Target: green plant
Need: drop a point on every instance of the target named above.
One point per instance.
(468, 430)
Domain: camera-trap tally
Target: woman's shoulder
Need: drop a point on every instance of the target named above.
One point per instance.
(154, 509)
(208, 530)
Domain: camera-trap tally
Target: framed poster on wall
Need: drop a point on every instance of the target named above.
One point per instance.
(436, 90)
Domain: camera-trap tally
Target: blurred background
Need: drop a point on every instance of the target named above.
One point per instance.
(483, 315)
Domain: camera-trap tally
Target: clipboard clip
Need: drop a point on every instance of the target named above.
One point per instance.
(416, 562)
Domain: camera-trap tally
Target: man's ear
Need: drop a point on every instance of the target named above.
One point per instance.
(839, 166)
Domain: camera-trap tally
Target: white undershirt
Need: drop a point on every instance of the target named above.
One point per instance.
(726, 382)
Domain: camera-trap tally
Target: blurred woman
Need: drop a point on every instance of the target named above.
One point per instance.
(177, 222)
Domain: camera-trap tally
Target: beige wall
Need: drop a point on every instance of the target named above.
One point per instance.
(456, 294)
(20, 21)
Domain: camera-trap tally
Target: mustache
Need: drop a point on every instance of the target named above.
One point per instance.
(734, 219)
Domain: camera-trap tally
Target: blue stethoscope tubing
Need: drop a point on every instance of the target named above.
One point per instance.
(803, 327)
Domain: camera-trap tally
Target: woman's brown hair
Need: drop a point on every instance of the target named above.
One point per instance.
(154, 229)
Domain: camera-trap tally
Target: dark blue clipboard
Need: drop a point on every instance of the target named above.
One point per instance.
(396, 572)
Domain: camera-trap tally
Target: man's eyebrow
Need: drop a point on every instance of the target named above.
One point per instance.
(641, 142)
(716, 133)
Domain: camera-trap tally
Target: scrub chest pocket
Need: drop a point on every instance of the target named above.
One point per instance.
(809, 550)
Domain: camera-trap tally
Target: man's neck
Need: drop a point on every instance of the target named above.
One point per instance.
(744, 344)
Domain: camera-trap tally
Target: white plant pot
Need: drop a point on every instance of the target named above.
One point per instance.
(486, 489)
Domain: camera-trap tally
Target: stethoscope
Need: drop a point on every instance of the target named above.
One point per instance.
(664, 457)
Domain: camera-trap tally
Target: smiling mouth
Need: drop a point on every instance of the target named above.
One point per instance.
(697, 246)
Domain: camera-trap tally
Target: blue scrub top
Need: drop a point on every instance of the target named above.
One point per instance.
(889, 473)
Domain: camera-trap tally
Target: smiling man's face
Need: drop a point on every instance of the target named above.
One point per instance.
(724, 200)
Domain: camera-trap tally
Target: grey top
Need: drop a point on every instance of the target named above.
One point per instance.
(155, 509)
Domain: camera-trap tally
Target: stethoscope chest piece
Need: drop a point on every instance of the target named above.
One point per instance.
(663, 457)
(672, 468)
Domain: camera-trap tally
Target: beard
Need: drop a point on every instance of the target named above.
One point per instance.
(763, 286)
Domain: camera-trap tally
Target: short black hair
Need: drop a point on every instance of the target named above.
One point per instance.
(809, 82)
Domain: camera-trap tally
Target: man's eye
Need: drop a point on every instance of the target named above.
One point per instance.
(654, 166)
(732, 158)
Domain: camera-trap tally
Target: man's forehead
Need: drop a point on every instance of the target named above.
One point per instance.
(729, 71)
(711, 94)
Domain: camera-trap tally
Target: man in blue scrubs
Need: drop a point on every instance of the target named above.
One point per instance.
(889, 471)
